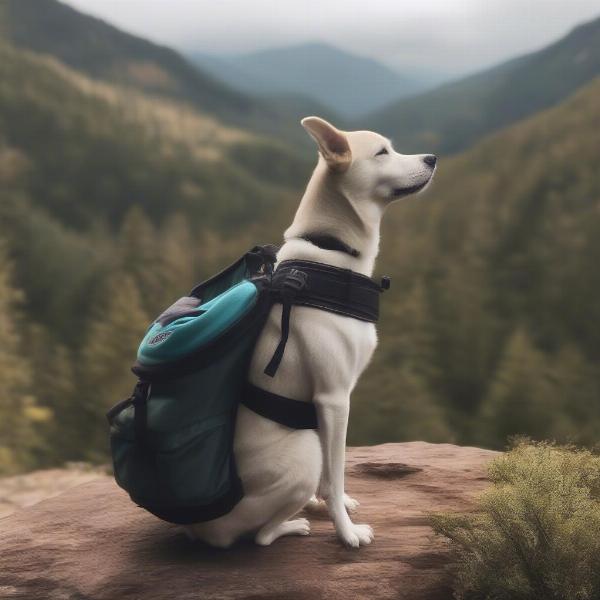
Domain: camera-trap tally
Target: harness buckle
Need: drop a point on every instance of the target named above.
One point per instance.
(295, 281)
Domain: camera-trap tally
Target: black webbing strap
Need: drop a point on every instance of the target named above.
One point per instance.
(291, 413)
(140, 417)
(308, 283)
(288, 286)
(138, 400)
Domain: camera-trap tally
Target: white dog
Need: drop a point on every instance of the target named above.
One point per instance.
(358, 175)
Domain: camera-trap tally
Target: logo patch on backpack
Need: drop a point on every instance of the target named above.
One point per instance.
(159, 337)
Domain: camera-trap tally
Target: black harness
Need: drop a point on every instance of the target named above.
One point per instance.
(309, 283)
(329, 242)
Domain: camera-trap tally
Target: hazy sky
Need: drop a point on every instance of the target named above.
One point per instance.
(449, 36)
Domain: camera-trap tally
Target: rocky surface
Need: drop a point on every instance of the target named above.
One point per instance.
(20, 491)
(91, 542)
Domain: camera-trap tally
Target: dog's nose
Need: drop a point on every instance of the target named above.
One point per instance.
(430, 159)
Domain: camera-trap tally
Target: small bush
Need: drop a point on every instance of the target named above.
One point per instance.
(536, 532)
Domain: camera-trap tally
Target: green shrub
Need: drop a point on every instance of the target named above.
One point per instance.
(536, 532)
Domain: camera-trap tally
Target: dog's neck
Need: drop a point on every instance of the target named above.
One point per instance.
(327, 211)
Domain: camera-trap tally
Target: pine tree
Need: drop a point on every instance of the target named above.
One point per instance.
(522, 399)
(117, 328)
(19, 414)
(139, 251)
(465, 331)
(577, 384)
(413, 342)
(406, 410)
(175, 267)
(57, 391)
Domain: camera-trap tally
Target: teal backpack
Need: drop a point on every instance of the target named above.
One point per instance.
(172, 440)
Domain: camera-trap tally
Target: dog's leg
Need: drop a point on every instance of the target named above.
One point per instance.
(333, 414)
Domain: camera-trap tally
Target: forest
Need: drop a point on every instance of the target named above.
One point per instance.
(114, 202)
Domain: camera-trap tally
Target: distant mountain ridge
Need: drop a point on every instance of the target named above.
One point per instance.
(102, 51)
(116, 147)
(347, 83)
(452, 117)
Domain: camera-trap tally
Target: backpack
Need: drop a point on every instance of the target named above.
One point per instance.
(172, 440)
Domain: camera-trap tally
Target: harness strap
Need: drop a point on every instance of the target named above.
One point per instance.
(294, 414)
(308, 283)
(291, 285)
(139, 399)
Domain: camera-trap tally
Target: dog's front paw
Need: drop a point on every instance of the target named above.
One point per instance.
(356, 535)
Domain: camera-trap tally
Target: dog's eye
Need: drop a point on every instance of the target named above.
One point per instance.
(382, 151)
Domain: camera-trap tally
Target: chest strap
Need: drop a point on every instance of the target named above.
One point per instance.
(308, 283)
(291, 413)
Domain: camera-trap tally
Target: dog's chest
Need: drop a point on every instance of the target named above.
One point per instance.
(324, 351)
(331, 338)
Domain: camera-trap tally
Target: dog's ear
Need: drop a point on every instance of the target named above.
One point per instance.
(333, 143)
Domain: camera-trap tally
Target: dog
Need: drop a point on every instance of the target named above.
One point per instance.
(284, 470)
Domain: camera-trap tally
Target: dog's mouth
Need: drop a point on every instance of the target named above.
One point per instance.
(406, 191)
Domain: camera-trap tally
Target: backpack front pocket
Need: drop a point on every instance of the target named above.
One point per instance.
(193, 464)
(180, 468)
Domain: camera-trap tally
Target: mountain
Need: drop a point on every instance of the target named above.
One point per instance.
(347, 83)
(104, 52)
(115, 147)
(493, 315)
(454, 116)
(77, 156)
(100, 50)
(113, 202)
(115, 198)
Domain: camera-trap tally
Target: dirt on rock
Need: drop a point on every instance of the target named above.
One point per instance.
(92, 542)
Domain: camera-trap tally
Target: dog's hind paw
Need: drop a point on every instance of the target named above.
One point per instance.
(316, 506)
(350, 503)
(268, 534)
(298, 527)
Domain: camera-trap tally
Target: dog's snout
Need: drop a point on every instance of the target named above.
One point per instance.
(430, 160)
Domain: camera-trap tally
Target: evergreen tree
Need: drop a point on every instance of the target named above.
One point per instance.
(139, 256)
(175, 266)
(19, 414)
(115, 332)
(406, 410)
(466, 334)
(57, 390)
(410, 338)
(522, 398)
(577, 385)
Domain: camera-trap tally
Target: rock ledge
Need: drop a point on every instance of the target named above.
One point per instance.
(92, 543)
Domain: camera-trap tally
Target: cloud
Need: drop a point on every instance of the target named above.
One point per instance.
(449, 36)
